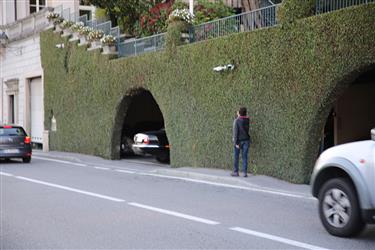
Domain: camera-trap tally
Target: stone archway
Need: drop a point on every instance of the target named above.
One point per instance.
(136, 112)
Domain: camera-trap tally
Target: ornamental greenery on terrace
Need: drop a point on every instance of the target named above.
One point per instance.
(181, 15)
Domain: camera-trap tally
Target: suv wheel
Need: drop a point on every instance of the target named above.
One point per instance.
(339, 208)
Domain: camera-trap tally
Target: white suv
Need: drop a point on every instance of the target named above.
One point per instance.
(344, 182)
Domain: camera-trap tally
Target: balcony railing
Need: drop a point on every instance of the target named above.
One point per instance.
(139, 46)
(28, 26)
(106, 27)
(261, 18)
(257, 19)
(323, 6)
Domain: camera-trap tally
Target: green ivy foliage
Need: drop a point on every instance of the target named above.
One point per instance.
(287, 77)
(292, 10)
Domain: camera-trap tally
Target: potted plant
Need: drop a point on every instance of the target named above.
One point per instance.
(66, 25)
(108, 43)
(83, 33)
(75, 29)
(52, 16)
(94, 38)
(57, 23)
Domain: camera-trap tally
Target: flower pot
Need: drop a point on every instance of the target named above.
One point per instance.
(58, 28)
(82, 40)
(67, 32)
(108, 49)
(95, 44)
(75, 36)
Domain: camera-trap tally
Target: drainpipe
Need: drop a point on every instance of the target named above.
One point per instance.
(191, 6)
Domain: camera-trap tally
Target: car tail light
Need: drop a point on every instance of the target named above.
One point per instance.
(146, 140)
(27, 140)
(7, 126)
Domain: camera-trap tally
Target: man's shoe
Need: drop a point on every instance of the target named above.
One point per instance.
(245, 175)
(235, 174)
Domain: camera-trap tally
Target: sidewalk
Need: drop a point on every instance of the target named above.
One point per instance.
(203, 175)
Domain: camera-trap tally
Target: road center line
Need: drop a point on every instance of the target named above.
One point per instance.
(102, 168)
(60, 161)
(176, 214)
(277, 238)
(124, 171)
(70, 189)
(6, 174)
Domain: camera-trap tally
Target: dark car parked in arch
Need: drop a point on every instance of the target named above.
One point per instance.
(152, 143)
(14, 143)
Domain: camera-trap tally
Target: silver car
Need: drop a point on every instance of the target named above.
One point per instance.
(344, 182)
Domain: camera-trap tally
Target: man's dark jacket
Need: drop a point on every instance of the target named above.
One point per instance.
(241, 129)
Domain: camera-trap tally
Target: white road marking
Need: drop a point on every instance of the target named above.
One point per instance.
(6, 174)
(254, 189)
(176, 214)
(71, 189)
(233, 186)
(60, 161)
(277, 238)
(102, 168)
(124, 171)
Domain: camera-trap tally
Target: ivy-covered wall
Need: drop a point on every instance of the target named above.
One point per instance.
(288, 77)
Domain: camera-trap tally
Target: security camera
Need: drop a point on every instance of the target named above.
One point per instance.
(224, 68)
(60, 46)
(230, 67)
(219, 68)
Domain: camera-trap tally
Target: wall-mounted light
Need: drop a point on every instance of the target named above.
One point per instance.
(223, 68)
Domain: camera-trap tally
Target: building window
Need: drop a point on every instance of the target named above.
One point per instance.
(37, 5)
(11, 115)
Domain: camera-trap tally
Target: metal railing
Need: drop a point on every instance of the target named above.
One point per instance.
(142, 45)
(106, 27)
(323, 6)
(257, 19)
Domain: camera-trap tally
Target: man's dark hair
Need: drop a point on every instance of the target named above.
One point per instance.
(242, 111)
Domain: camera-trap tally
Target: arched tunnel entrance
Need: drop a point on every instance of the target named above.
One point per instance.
(352, 115)
(141, 114)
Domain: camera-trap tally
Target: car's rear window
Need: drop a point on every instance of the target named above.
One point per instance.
(12, 132)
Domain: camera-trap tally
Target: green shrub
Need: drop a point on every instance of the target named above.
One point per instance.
(292, 10)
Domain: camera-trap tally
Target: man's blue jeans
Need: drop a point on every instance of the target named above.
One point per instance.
(244, 148)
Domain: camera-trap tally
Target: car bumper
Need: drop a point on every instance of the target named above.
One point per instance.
(15, 153)
(368, 216)
(149, 149)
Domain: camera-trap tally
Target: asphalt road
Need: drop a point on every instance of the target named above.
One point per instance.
(55, 204)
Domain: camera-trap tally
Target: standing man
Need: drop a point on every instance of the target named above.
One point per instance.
(241, 139)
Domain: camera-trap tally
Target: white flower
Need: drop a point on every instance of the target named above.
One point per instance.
(108, 40)
(183, 15)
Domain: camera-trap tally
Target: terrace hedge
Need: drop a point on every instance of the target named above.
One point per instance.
(287, 76)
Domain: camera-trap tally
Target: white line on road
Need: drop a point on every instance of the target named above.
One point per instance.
(6, 174)
(277, 238)
(71, 189)
(60, 161)
(102, 168)
(124, 171)
(233, 186)
(176, 214)
(254, 188)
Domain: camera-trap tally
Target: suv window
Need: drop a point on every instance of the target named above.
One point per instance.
(12, 132)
